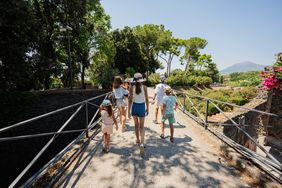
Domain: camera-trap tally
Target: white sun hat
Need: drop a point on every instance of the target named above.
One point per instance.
(138, 77)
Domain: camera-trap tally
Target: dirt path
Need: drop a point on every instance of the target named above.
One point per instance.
(191, 161)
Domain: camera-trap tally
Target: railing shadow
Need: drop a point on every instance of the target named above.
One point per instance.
(160, 159)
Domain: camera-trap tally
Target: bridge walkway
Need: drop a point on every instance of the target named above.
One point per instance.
(191, 161)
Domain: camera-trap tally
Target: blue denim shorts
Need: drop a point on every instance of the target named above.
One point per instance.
(138, 109)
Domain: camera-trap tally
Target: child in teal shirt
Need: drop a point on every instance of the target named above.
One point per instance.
(169, 105)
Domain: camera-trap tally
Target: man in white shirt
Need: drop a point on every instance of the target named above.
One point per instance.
(158, 97)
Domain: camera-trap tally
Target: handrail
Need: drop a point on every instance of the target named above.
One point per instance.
(273, 164)
(43, 149)
(55, 134)
(234, 105)
(250, 137)
(49, 113)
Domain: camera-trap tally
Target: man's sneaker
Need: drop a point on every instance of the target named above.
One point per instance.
(142, 150)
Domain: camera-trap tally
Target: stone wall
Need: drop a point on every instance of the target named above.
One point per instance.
(274, 127)
(252, 121)
(15, 155)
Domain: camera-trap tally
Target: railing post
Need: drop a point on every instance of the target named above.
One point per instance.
(184, 104)
(207, 113)
(86, 119)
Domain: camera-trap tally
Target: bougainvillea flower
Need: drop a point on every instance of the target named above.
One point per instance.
(278, 69)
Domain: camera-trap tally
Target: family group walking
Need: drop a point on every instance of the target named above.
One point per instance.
(131, 99)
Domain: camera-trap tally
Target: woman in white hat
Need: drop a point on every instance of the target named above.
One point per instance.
(138, 100)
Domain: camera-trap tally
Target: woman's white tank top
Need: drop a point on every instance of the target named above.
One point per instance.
(140, 98)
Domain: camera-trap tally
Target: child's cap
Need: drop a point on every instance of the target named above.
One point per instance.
(162, 78)
(168, 89)
(106, 102)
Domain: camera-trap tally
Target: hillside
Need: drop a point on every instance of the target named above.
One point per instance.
(243, 67)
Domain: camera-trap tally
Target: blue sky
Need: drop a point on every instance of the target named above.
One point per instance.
(236, 30)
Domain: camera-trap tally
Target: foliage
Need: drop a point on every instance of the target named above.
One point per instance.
(16, 37)
(176, 44)
(56, 83)
(153, 79)
(127, 51)
(243, 79)
(129, 72)
(236, 97)
(272, 80)
(34, 41)
(182, 78)
(153, 40)
(191, 55)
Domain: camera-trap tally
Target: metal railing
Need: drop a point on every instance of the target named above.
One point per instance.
(88, 126)
(268, 163)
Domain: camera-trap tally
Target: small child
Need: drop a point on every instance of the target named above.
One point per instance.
(169, 105)
(108, 119)
(120, 92)
(126, 85)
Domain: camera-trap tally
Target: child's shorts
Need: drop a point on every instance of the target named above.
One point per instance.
(138, 109)
(170, 118)
(107, 128)
(158, 104)
(120, 103)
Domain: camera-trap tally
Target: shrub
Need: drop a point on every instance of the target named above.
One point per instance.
(238, 100)
(153, 79)
(203, 80)
(190, 80)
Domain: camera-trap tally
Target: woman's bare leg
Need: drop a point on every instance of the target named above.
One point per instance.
(142, 129)
(136, 124)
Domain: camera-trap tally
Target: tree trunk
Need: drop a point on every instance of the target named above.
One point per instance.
(187, 64)
(82, 77)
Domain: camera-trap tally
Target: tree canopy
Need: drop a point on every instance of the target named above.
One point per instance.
(55, 43)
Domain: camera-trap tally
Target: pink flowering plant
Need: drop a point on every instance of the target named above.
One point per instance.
(272, 80)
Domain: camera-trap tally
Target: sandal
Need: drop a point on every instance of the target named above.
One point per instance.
(162, 136)
(104, 150)
(142, 151)
(171, 140)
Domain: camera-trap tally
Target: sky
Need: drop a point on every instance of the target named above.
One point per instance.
(236, 30)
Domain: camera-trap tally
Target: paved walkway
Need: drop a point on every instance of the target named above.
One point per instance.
(191, 161)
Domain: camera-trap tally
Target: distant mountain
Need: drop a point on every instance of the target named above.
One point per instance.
(242, 67)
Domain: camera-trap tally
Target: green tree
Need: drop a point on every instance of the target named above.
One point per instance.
(153, 40)
(174, 50)
(127, 51)
(191, 55)
(16, 37)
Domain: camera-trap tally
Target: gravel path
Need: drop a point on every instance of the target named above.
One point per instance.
(191, 161)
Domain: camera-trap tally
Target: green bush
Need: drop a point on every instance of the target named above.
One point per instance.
(181, 78)
(238, 100)
(203, 80)
(239, 97)
(56, 83)
(212, 109)
(243, 79)
(153, 79)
